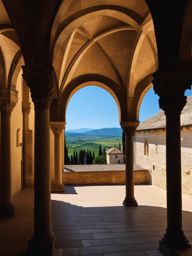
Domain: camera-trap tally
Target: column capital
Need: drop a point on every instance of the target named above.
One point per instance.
(170, 85)
(129, 126)
(8, 100)
(40, 81)
(57, 127)
(26, 107)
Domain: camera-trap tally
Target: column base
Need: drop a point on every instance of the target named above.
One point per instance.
(171, 244)
(40, 245)
(29, 182)
(130, 202)
(7, 211)
(57, 188)
(57, 252)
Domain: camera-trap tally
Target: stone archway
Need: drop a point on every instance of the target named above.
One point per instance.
(58, 115)
(86, 80)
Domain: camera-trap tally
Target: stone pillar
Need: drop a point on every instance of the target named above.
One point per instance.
(6, 207)
(129, 129)
(7, 102)
(27, 147)
(57, 181)
(40, 82)
(172, 101)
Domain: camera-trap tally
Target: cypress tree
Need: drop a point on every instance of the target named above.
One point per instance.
(123, 142)
(67, 160)
(76, 157)
(81, 157)
(72, 159)
(87, 157)
(100, 150)
(84, 156)
(91, 157)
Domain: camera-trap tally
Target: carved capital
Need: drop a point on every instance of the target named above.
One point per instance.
(6, 108)
(40, 82)
(8, 100)
(57, 127)
(129, 127)
(26, 107)
(170, 85)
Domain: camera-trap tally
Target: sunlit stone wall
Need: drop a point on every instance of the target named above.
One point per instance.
(150, 153)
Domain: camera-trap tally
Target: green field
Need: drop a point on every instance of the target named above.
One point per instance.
(91, 143)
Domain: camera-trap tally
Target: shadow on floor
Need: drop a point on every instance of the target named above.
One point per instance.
(70, 190)
(110, 230)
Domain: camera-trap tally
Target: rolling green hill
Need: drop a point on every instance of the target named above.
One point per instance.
(90, 140)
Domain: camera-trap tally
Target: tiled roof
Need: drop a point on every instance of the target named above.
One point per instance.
(159, 122)
(114, 151)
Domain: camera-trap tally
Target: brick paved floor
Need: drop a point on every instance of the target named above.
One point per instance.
(92, 221)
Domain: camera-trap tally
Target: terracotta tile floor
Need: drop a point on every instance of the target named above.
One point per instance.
(92, 221)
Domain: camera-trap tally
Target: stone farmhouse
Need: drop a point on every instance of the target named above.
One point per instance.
(150, 147)
(114, 156)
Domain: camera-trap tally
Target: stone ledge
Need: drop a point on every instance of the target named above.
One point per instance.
(141, 177)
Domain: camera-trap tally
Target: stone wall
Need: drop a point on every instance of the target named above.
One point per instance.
(141, 177)
(150, 153)
(115, 159)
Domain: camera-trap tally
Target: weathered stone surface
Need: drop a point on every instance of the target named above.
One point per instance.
(152, 133)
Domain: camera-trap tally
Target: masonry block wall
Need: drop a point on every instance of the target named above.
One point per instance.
(150, 151)
(115, 159)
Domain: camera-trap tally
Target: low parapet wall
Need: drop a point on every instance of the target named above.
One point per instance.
(141, 177)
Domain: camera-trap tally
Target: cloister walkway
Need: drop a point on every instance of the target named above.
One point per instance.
(92, 221)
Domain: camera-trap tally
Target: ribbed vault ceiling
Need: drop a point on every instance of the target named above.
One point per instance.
(114, 39)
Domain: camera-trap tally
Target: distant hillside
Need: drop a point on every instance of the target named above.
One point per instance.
(92, 139)
(82, 130)
(105, 132)
(101, 133)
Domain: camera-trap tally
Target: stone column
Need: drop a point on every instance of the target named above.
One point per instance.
(172, 101)
(129, 129)
(40, 83)
(6, 206)
(58, 131)
(27, 147)
(7, 102)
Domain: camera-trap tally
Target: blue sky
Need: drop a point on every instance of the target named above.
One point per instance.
(93, 107)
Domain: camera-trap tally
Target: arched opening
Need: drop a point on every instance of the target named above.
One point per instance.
(98, 86)
(92, 127)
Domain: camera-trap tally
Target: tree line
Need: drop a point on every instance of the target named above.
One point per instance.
(89, 157)
(85, 156)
